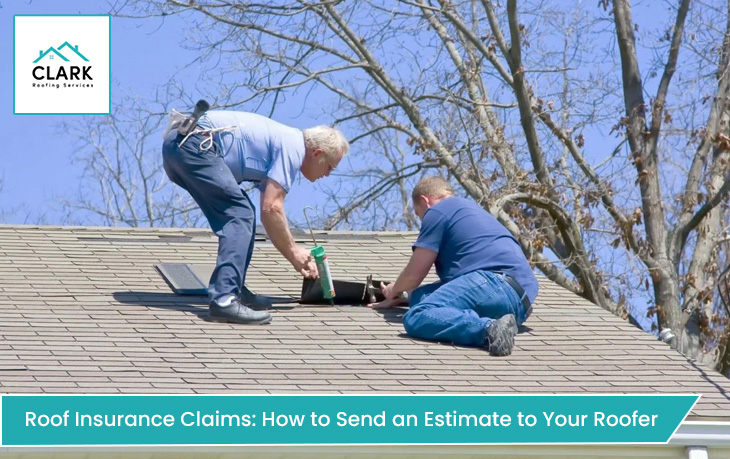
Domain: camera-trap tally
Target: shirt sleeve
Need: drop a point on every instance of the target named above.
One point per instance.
(432, 232)
(283, 169)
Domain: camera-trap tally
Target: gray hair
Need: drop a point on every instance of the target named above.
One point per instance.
(329, 140)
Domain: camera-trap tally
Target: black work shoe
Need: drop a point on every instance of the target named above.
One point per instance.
(501, 335)
(236, 312)
(254, 301)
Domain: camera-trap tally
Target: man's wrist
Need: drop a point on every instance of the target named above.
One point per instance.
(292, 251)
(398, 288)
(290, 255)
(393, 294)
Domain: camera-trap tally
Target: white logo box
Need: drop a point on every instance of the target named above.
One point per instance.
(62, 64)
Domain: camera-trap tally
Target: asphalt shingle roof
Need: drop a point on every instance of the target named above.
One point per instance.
(82, 310)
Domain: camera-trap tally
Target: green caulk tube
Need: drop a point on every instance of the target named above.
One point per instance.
(325, 276)
(323, 266)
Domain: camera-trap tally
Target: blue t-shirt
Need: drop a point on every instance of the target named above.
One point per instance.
(467, 238)
(259, 148)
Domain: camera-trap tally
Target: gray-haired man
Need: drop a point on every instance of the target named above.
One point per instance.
(232, 147)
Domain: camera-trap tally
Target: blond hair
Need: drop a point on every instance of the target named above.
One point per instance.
(433, 187)
(331, 141)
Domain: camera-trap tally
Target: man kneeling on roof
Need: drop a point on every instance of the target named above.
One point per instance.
(487, 286)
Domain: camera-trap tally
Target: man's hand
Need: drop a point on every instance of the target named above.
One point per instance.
(387, 290)
(304, 263)
(410, 278)
(386, 304)
(390, 300)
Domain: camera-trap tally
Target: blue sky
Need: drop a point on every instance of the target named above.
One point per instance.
(35, 166)
(36, 158)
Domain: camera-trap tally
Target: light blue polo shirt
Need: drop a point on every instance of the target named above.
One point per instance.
(258, 148)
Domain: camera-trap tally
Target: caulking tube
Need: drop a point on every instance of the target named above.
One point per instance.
(325, 276)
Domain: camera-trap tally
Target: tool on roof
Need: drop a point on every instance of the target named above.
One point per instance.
(371, 291)
(323, 266)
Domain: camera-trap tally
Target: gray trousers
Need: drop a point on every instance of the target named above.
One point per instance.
(227, 207)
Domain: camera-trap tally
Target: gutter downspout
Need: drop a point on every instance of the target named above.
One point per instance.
(697, 452)
(697, 436)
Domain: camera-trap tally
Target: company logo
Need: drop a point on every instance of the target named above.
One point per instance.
(62, 72)
(67, 78)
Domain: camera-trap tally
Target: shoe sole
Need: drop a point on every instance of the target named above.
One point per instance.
(232, 321)
(507, 334)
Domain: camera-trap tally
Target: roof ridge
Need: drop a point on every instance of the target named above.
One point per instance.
(167, 229)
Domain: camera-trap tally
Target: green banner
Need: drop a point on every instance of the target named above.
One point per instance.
(345, 419)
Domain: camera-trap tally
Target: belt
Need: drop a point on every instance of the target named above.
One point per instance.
(521, 292)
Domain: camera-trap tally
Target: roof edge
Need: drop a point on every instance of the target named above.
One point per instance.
(704, 433)
(178, 229)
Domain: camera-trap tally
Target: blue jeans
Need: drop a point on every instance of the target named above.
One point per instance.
(227, 207)
(461, 310)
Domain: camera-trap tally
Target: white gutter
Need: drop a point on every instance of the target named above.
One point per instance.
(702, 433)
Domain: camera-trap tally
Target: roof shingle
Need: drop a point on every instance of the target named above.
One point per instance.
(82, 310)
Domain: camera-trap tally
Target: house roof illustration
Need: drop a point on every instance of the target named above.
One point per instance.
(83, 311)
(46, 52)
(57, 51)
(75, 49)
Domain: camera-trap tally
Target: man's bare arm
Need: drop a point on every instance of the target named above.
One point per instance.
(411, 277)
(274, 220)
(415, 271)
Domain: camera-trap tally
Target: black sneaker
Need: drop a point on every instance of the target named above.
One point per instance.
(501, 335)
(236, 312)
(254, 301)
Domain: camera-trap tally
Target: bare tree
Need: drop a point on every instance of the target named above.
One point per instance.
(612, 180)
(388, 180)
(123, 182)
